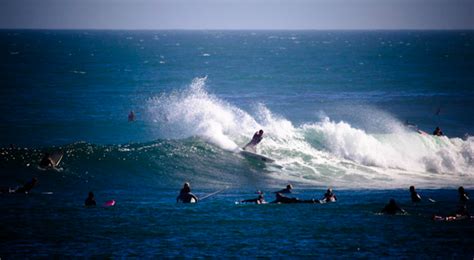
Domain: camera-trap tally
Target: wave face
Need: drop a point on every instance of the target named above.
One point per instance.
(203, 134)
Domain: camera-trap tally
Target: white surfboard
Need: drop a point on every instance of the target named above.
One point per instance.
(256, 156)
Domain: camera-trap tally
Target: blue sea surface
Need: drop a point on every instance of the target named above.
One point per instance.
(351, 110)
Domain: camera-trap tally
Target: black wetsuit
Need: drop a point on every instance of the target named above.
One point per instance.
(286, 200)
(257, 138)
(415, 197)
(437, 132)
(258, 200)
(26, 188)
(463, 198)
(90, 202)
(462, 207)
(329, 197)
(186, 196)
(46, 162)
(392, 208)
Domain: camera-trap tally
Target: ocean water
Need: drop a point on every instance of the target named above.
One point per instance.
(332, 104)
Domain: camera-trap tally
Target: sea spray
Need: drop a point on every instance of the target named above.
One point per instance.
(194, 112)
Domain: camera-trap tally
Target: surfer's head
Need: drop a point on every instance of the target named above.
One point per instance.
(412, 188)
(186, 187)
(289, 187)
(91, 194)
(461, 190)
(260, 132)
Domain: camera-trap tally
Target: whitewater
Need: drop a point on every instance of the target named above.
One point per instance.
(323, 152)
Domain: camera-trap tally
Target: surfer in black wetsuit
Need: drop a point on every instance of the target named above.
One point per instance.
(131, 116)
(437, 131)
(392, 208)
(90, 201)
(46, 161)
(282, 199)
(258, 200)
(27, 187)
(257, 138)
(288, 189)
(415, 197)
(185, 195)
(329, 196)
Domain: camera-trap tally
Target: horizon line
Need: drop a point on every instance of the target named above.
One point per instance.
(233, 29)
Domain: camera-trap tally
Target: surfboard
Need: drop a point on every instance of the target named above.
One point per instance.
(422, 132)
(109, 203)
(323, 201)
(256, 156)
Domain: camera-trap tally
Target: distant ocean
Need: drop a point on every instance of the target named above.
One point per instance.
(340, 109)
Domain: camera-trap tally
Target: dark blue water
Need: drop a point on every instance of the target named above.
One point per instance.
(332, 104)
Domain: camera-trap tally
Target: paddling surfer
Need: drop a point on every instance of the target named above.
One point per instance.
(259, 200)
(27, 187)
(282, 199)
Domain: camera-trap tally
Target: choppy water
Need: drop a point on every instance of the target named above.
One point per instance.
(332, 105)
